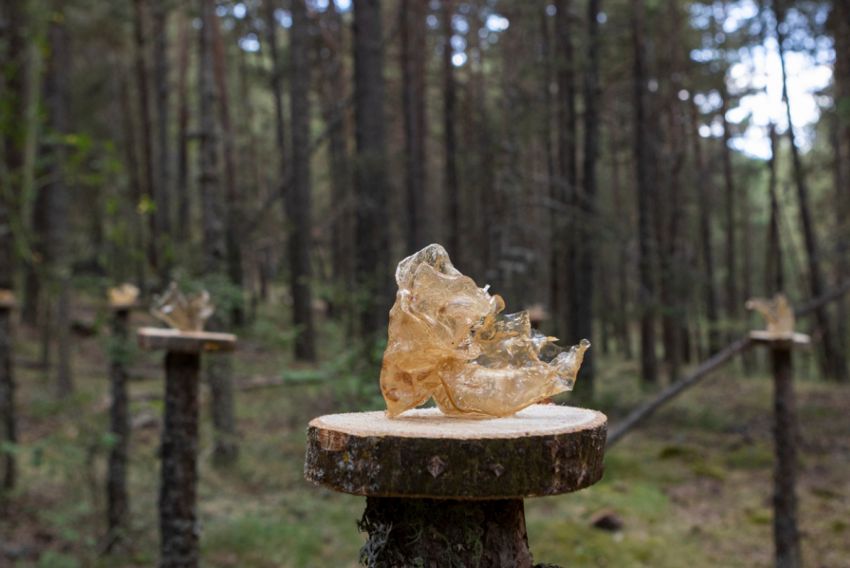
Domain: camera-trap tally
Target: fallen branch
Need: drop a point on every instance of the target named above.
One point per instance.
(646, 409)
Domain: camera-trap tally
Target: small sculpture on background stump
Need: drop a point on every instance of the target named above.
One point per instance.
(182, 311)
(449, 341)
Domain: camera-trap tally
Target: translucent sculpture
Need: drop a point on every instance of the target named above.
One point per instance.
(186, 313)
(123, 295)
(777, 312)
(448, 340)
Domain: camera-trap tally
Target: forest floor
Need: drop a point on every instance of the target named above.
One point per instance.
(692, 487)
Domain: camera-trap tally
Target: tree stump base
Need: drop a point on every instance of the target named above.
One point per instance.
(179, 451)
(786, 535)
(447, 491)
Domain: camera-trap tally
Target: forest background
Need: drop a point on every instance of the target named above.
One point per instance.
(630, 171)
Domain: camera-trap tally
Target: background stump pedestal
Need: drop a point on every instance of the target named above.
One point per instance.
(786, 535)
(119, 426)
(179, 452)
(447, 491)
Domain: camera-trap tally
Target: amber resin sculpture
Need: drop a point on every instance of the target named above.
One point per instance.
(777, 312)
(186, 313)
(448, 340)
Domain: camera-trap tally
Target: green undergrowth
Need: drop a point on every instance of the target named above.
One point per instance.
(691, 487)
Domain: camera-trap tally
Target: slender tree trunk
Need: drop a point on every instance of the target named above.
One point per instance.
(298, 207)
(147, 175)
(184, 215)
(621, 318)
(646, 244)
(840, 21)
(565, 262)
(162, 196)
(774, 273)
(586, 244)
(135, 182)
(219, 366)
(13, 95)
(733, 302)
(370, 177)
(413, 52)
(704, 200)
(452, 191)
(835, 364)
(233, 201)
(334, 89)
(58, 200)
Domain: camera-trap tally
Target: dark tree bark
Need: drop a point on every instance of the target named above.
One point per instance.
(730, 204)
(179, 454)
(586, 249)
(835, 364)
(14, 96)
(565, 261)
(705, 209)
(146, 132)
(334, 89)
(119, 419)
(774, 269)
(58, 200)
(212, 199)
(785, 533)
(233, 201)
(162, 187)
(840, 24)
(135, 182)
(298, 208)
(219, 367)
(408, 532)
(413, 67)
(184, 215)
(646, 243)
(370, 176)
(452, 187)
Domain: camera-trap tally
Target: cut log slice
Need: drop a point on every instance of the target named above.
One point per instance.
(174, 340)
(541, 450)
(788, 338)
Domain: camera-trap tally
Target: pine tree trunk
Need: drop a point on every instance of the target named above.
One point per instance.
(162, 196)
(586, 249)
(450, 176)
(705, 209)
(233, 201)
(835, 364)
(219, 369)
(565, 262)
(58, 201)
(370, 176)
(298, 209)
(334, 89)
(148, 181)
(14, 94)
(184, 216)
(646, 245)
(413, 52)
(733, 302)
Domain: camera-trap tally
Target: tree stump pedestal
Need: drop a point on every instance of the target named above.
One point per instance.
(445, 491)
(786, 535)
(119, 425)
(8, 428)
(179, 450)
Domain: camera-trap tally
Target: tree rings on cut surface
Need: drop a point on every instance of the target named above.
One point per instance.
(541, 450)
